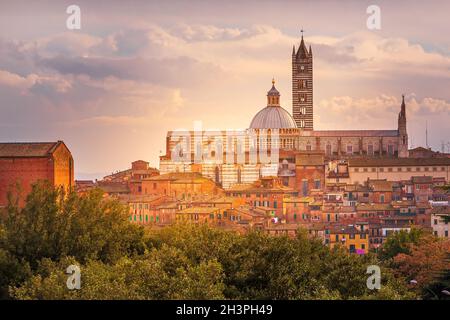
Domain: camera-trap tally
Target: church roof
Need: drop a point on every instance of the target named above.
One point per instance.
(273, 117)
(27, 149)
(355, 133)
(302, 51)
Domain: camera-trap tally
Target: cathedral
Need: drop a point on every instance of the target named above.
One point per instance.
(275, 137)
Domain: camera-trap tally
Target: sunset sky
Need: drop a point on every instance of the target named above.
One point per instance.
(137, 69)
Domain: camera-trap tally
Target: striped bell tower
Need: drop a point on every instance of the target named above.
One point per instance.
(302, 86)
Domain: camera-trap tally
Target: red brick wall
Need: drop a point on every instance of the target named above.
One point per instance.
(309, 173)
(58, 169)
(24, 171)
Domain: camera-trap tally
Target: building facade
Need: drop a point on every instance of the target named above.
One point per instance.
(244, 156)
(22, 164)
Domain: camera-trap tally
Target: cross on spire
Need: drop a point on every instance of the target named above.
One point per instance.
(302, 32)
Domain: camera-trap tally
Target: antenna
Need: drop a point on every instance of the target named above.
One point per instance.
(426, 133)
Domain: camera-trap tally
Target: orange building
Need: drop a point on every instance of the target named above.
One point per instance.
(208, 215)
(144, 209)
(266, 192)
(27, 163)
(180, 185)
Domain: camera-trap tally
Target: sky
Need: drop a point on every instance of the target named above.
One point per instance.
(137, 69)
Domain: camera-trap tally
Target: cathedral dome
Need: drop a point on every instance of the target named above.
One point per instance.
(273, 116)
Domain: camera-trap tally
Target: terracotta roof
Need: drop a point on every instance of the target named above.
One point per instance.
(350, 229)
(309, 160)
(27, 149)
(443, 210)
(422, 179)
(393, 162)
(181, 177)
(374, 207)
(200, 210)
(381, 185)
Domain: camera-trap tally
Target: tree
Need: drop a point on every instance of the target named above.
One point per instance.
(54, 225)
(400, 242)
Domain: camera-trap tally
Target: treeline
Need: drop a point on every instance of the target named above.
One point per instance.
(120, 260)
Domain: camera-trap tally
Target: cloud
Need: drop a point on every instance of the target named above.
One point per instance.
(377, 112)
(135, 83)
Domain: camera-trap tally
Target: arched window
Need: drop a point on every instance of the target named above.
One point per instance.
(239, 175)
(328, 149)
(217, 175)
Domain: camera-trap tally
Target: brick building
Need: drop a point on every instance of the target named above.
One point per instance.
(25, 163)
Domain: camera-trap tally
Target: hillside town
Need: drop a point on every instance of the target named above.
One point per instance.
(347, 187)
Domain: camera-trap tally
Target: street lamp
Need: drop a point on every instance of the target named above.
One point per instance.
(446, 292)
(443, 291)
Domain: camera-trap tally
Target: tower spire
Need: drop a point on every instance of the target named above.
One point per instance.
(273, 96)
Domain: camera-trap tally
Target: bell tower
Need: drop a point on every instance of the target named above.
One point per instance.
(302, 86)
(402, 132)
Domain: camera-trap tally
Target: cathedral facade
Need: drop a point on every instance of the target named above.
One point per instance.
(274, 138)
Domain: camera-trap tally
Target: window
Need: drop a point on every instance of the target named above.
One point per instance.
(399, 169)
(154, 185)
(370, 149)
(301, 123)
(328, 149)
(435, 221)
(418, 169)
(352, 236)
(295, 216)
(308, 147)
(305, 187)
(303, 84)
(349, 149)
(389, 169)
(374, 169)
(211, 216)
(362, 236)
(390, 149)
(337, 238)
(275, 204)
(317, 184)
(446, 233)
(381, 169)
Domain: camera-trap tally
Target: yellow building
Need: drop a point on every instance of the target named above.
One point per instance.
(354, 238)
